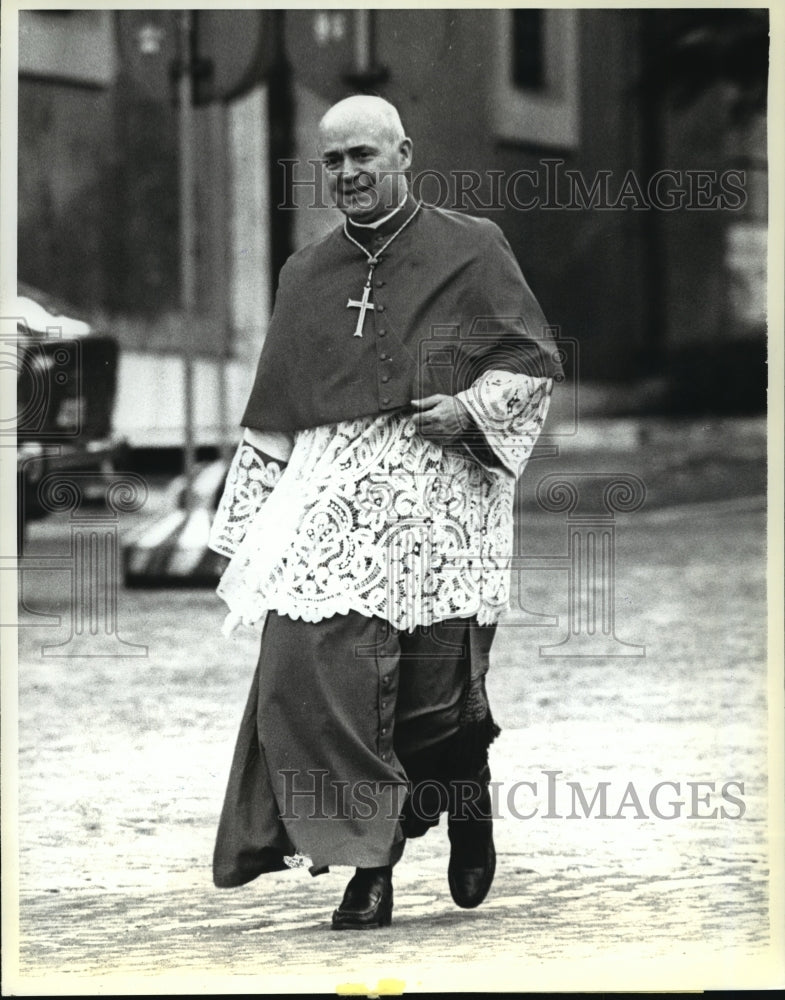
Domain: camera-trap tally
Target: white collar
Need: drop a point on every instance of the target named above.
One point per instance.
(377, 222)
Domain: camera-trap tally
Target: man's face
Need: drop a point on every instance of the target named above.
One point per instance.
(364, 167)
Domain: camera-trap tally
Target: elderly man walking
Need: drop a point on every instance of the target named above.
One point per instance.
(403, 382)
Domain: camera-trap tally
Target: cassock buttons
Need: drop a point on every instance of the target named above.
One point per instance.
(382, 357)
(386, 400)
(382, 332)
(380, 309)
(380, 283)
(385, 378)
(384, 730)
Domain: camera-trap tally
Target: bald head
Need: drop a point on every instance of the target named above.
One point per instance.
(366, 154)
(369, 112)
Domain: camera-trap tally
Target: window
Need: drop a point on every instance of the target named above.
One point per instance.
(535, 99)
(528, 57)
(78, 48)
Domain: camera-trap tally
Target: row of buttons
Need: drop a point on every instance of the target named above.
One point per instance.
(387, 701)
(382, 332)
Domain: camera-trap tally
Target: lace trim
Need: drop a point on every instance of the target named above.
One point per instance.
(369, 516)
(510, 409)
(249, 483)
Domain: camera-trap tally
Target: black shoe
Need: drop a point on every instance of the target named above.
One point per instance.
(367, 902)
(472, 854)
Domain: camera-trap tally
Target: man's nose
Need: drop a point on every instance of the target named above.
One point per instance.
(348, 168)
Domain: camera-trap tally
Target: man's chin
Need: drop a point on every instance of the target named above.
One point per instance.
(364, 208)
(358, 209)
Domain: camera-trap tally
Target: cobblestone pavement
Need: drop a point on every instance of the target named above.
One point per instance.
(123, 762)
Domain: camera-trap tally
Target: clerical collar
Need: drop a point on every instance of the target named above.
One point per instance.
(365, 232)
(378, 222)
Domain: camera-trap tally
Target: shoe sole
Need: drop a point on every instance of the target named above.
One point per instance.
(382, 919)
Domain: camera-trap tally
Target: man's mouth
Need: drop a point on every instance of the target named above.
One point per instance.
(356, 192)
(356, 197)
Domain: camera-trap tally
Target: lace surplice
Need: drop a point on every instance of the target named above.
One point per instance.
(370, 516)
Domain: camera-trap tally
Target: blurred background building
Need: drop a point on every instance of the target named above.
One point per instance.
(641, 223)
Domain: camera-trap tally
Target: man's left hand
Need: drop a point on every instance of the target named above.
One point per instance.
(440, 418)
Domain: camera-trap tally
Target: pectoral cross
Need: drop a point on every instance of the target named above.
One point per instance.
(363, 305)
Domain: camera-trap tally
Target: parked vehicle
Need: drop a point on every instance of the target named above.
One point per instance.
(66, 386)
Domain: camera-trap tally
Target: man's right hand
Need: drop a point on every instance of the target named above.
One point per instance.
(441, 418)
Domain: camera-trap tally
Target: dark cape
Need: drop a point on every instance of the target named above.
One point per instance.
(450, 304)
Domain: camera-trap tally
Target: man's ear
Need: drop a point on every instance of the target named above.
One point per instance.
(405, 152)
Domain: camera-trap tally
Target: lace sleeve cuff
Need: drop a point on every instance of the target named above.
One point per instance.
(509, 409)
(251, 479)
